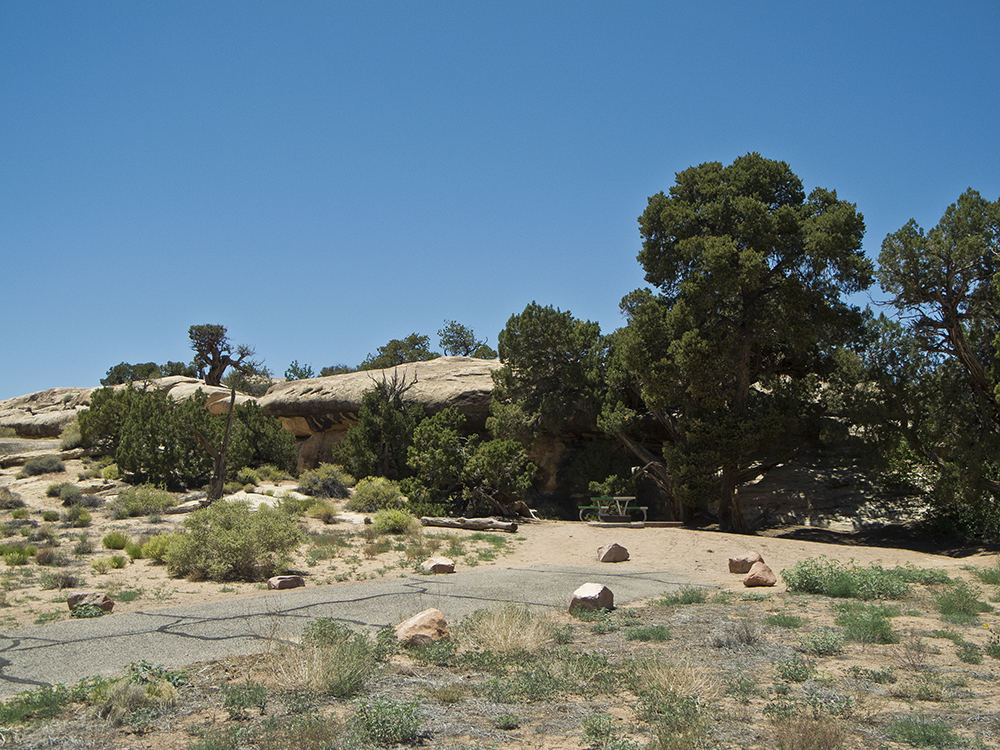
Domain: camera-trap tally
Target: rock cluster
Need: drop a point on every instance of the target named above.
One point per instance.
(756, 570)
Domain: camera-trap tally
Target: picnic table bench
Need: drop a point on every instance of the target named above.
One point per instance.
(627, 505)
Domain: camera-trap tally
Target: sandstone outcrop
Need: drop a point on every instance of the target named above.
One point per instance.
(318, 411)
(46, 413)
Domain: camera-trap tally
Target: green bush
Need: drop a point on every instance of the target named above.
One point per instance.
(796, 669)
(70, 494)
(9, 499)
(391, 521)
(386, 722)
(118, 561)
(144, 500)
(833, 578)
(375, 493)
(326, 480)
(39, 466)
(959, 603)
(685, 595)
(156, 548)
(346, 659)
(246, 476)
(920, 732)
(50, 516)
(823, 642)
(70, 437)
(225, 541)
(867, 623)
(115, 540)
(77, 517)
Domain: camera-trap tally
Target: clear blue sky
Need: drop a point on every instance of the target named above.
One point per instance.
(321, 177)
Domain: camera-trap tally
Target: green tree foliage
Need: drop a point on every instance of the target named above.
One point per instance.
(296, 371)
(377, 445)
(749, 275)
(938, 369)
(552, 374)
(336, 370)
(214, 354)
(499, 474)
(460, 341)
(152, 438)
(414, 348)
(438, 458)
(124, 372)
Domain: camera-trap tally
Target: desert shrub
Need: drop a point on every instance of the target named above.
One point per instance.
(70, 437)
(225, 541)
(392, 521)
(649, 633)
(809, 733)
(342, 660)
(784, 620)
(990, 575)
(144, 500)
(386, 722)
(833, 578)
(19, 513)
(50, 516)
(247, 476)
(58, 580)
(867, 623)
(375, 493)
(111, 472)
(921, 732)
(118, 562)
(8, 432)
(823, 642)
(508, 628)
(156, 548)
(326, 481)
(83, 544)
(53, 489)
(9, 499)
(39, 466)
(77, 517)
(16, 556)
(134, 550)
(796, 669)
(959, 603)
(49, 556)
(115, 540)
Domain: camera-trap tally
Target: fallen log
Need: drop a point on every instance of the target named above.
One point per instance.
(475, 524)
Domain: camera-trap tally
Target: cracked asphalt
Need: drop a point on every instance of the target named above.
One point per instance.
(66, 652)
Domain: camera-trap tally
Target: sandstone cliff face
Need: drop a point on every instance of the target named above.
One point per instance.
(320, 410)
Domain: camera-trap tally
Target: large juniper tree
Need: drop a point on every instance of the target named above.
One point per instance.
(749, 275)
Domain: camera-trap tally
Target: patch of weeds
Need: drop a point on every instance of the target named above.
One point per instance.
(86, 611)
(809, 733)
(671, 714)
(867, 623)
(755, 596)
(993, 647)
(507, 628)
(59, 580)
(129, 595)
(833, 578)
(990, 576)
(142, 500)
(970, 653)
(919, 731)
(784, 620)
(116, 540)
(343, 660)
(925, 576)
(685, 595)
(453, 692)
(441, 653)
(600, 733)
(882, 676)
(742, 634)
(823, 642)
(563, 635)
(602, 622)
(35, 705)
(650, 633)
(238, 699)
(507, 722)
(959, 603)
(46, 617)
(950, 635)
(386, 722)
(796, 669)
(743, 687)
(38, 466)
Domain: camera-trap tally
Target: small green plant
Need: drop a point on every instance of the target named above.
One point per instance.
(50, 516)
(743, 687)
(86, 611)
(959, 603)
(102, 566)
(247, 476)
(19, 513)
(83, 545)
(507, 722)
(883, 676)
(796, 669)
(990, 575)
(685, 595)
(116, 540)
(326, 481)
(993, 647)
(823, 642)
(44, 703)
(784, 620)
(375, 493)
(922, 732)
(345, 659)
(238, 699)
(391, 521)
(39, 466)
(649, 633)
(867, 623)
(118, 562)
(78, 517)
(156, 548)
(16, 556)
(970, 653)
(134, 550)
(386, 722)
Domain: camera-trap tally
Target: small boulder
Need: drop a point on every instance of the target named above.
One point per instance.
(423, 629)
(612, 553)
(592, 596)
(743, 563)
(94, 598)
(438, 565)
(285, 582)
(760, 575)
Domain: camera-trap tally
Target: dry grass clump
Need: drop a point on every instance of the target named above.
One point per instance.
(507, 629)
(657, 674)
(810, 733)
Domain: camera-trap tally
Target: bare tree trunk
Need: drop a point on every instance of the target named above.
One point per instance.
(218, 481)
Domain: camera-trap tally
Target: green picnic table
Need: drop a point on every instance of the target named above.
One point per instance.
(603, 505)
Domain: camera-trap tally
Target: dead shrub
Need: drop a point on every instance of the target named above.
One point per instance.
(506, 629)
(809, 733)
